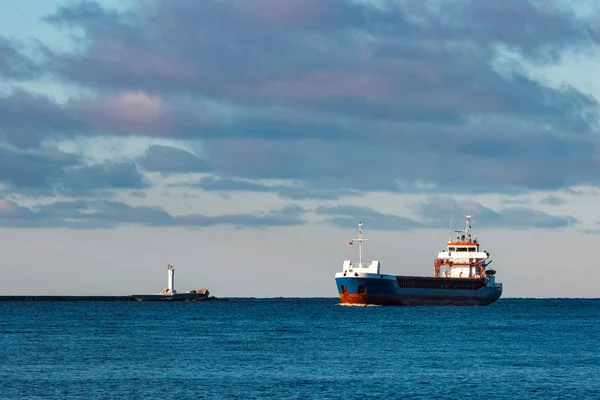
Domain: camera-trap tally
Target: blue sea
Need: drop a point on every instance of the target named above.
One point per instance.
(299, 349)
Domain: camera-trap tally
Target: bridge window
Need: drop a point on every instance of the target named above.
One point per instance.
(451, 249)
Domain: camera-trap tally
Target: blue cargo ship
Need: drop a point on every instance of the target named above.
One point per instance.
(461, 278)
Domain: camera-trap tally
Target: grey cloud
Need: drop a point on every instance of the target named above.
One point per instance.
(533, 27)
(46, 171)
(299, 193)
(436, 213)
(553, 201)
(138, 193)
(345, 216)
(523, 218)
(444, 164)
(34, 172)
(103, 176)
(212, 184)
(110, 214)
(27, 120)
(444, 66)
(343, 97)
(590, 231)
(516, 201)
(288, 216)
(84, 215)
(171, 160)
(89, 14)
(13, 63)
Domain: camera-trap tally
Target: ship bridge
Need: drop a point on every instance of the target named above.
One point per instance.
(462, 257)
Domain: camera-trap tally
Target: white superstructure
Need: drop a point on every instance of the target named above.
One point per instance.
(349, 266)
(463, 257)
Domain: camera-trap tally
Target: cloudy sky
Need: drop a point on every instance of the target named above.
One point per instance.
(241, 141)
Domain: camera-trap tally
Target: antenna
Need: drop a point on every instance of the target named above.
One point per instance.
(360, 239)
(360, 244)
(450, 233)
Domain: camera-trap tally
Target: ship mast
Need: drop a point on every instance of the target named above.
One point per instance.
(360, 244)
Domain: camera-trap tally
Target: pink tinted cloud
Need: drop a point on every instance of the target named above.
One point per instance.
(126, 112)
(143, 114)
(6, 207)
(137, 107)
(362, 85)
(114, 54)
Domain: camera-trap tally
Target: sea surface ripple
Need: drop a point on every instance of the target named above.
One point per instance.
(300, 349)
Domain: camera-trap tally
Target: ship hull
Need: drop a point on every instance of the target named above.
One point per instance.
(388, 290)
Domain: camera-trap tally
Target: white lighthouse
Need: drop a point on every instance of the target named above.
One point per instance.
(171, 279)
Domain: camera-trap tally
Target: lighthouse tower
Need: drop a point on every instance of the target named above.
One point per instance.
(171, 279)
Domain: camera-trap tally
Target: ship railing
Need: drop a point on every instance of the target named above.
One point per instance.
(460, 263)
(357, 265)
